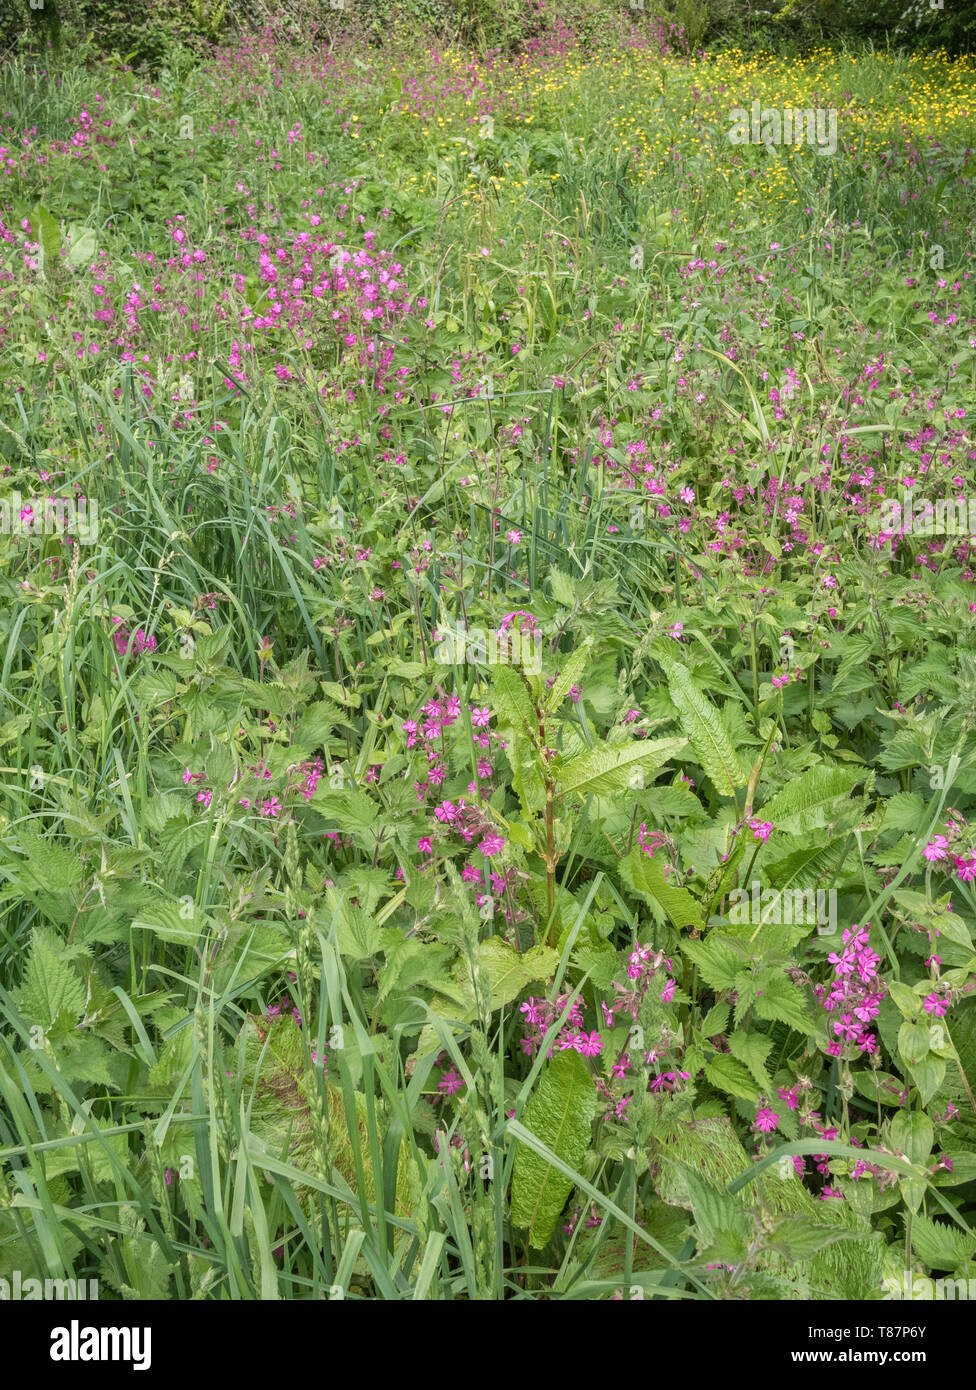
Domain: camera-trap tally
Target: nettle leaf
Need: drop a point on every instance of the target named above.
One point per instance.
(410, 961)
(644, 874)
(52, 994)
(181, 837)
(707, 734)
(602, 770)
(801, 1237)
(781, 1001)
(806, 867)
(178, 922)
(316, 724)
(730, 1075)
(358, 936)
(718, 963)
(560, 1112)
(46, 867)
(509, 973)
(796, 806)
(715, 1212)
(351, 808)
(752, 1049)
(904, 811)
(941, 1246)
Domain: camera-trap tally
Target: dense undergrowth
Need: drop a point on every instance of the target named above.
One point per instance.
(486, 777)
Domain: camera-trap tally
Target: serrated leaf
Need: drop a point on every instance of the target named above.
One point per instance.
(560, 1113)
(568, 677)
(781, 1001)
(602, 770)
(52, 990)
(706, 733)
(644, 873)
(941, 1246)
(796, 805)
(728, 1074)
(752, 1049)
(718, 963)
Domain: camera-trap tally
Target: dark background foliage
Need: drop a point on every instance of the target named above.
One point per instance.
(144, 32)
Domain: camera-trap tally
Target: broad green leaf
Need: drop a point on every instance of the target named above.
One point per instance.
(729, 1074)
(709, 739)
(559, 1112)
(912, 1134)
(47, 233)
(83, 247)
(645, 874)
(941, 1246)
(797, 805)
(568, 677)
(780, 1000)
(603, 770)
(52, 992)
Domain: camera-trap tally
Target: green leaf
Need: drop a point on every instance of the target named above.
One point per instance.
(645, 874)
(83, 247)
(913, 1043)
(513, 703)
(560, 1113)
(602, 770)
(358, 936)
(752, 1049)
(718, 964)
(781, 1002)
(52, 992)
(928, 1075)
(568, 677)
(48, 234)
(715, 1212)
(798, 805)
(706, 733)
(728, 1074)
(912, 1134)
(941, 1246)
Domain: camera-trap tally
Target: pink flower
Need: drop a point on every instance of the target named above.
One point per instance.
(766, 1120)
(936, 848)
(451, 1082)
(491, 844)
(761, 830)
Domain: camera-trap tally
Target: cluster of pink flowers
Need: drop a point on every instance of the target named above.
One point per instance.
(939, 851)
(127, 641)
(650, 840)
(267, 806)
(539, 1016)
(855, 994)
